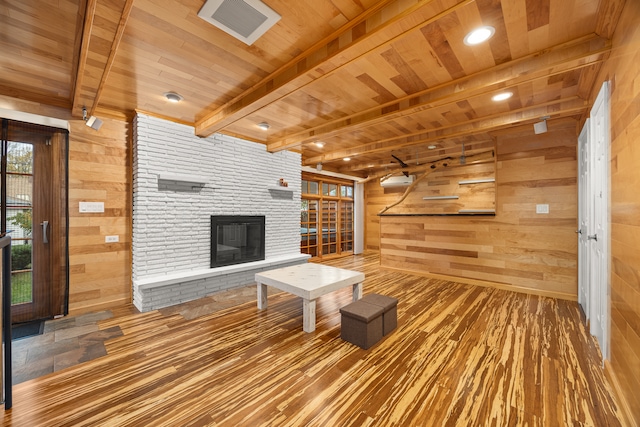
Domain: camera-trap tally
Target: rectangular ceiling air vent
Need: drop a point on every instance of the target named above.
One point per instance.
(245, 20)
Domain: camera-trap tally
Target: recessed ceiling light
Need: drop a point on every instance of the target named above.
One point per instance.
(479, 35)
(346, 159)
(431, 147)
(319, 144)
(173, 97)
(264, 126)
(502, 96)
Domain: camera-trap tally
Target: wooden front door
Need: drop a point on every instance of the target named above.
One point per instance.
(34, 213)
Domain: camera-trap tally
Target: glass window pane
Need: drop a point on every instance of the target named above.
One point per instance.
(346, 191)
(19, 214)
(313, 187)
(350, 192)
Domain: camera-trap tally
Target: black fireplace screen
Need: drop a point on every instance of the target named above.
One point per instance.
(236, 239)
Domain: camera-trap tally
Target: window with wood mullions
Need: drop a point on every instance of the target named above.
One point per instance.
(326, 217)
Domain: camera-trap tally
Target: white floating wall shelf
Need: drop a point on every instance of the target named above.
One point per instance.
(281, 189)
(281, 192)
(473, 211)
(179, 177)
(440, 197)
(476, 181)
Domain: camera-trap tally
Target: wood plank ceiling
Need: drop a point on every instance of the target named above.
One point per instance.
(370, 79)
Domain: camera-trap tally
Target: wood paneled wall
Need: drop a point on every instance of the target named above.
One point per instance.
(99, 171)
(445, 182)
(623, 71)
(516, 249)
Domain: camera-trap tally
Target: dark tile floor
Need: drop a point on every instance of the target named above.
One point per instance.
(72, 340)
(64, 342)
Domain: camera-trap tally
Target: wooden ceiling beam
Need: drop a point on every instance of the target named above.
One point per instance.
(124, 17)
(88, 88)
(90, 13)
(555, 108)
(573, 55)
(349, 43)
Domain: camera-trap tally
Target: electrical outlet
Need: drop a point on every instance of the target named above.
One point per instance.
(542, 209)
(111, 239)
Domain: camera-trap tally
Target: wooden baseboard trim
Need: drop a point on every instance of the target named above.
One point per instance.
(625, 410)
(488, 284)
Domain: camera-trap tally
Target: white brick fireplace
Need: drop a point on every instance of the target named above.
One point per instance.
(179, 181)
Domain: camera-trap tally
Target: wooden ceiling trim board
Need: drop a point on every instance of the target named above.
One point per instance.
(552, 61)
(76, 108)
(525, 130)
(555, 108)
(126, 11)
(294, 76)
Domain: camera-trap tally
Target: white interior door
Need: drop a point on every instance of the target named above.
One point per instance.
(584, 214)
(599, 224)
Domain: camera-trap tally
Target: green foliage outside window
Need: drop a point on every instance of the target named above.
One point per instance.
(20, 257)
(23, 220)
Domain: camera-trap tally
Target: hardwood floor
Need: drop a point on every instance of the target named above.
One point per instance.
(461, 355)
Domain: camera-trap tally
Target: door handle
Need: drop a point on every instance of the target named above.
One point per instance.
(44, 225)
(594, 237)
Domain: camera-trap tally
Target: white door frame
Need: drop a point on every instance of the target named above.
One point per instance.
(583, 219)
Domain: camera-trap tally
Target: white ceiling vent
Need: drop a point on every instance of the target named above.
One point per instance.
(245, 20)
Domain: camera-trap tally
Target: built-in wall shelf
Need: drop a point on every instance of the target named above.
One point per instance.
(281, 192)
(477, 211)
(471, 212)
(476, 181)
(440, 197)
(281, 189)
(181, 177)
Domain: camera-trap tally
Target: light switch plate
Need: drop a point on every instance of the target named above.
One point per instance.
(111, 239)
(542, 209)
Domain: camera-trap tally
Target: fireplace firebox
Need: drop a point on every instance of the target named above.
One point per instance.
(236, 239)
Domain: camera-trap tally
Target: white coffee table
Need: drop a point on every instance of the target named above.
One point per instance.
(308, 281)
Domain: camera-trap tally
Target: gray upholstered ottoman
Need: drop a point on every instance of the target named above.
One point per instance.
(361, 323)
(390, 310)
